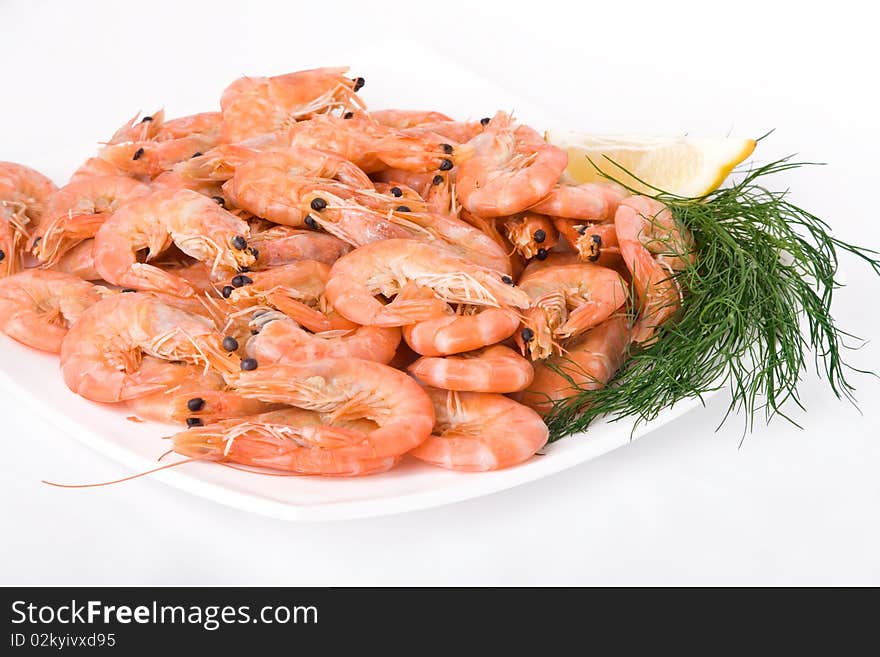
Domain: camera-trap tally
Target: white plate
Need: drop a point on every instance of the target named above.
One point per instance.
(33, 377)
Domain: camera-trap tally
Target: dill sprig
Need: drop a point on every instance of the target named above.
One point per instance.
(756, 305)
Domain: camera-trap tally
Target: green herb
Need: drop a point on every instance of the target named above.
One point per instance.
(756, 307)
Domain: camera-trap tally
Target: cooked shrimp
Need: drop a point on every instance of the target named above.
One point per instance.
(297, 290)
(654, 247)
(196, 397)
(255, 106)
(37, 307)
(147, 159)
(104, 354)
(389, 266)
(95, 166)
(282, 245)
(371, 146)
(589, 361)
(588, 201)
(478, 431)
(492, 369)
(139, 128)
(284, 440)
(272, 184)
(591, 241)
(565, 301)
(351, 221)
(76, 211)
(282, 341)
(531, 234)
(24, 194)
(509, 169)
(79, 262)
(465, 331)
(347, 389)
(196, 224)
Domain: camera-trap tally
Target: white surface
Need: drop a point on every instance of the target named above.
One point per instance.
(685, 505)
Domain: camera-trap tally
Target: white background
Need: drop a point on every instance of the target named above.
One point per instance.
(686, 505)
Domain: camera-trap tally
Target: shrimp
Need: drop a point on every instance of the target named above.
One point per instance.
(282, 245)
(531, 234)
(359, 225)
(654, 247)
(509, 169)
(344, 390)
(255, 106)
(271, 185)
(79, 262)
(401, 119)
(37, 307)
(478, 431)
(492, 369)
(297, 290)
(95, 166)
(593, 242)
(118, 348)
(283, 440)
(453, 334)
(24, 194)
(196, 224)
(389, 266)
(76, 211)
(282, 341)
(589, 361)
(588, 202)
(195, 397)
(567, 300)
(145, 160)
(372, 146)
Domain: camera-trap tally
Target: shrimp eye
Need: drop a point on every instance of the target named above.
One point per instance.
(2, 255)
(447, 148)
(348, 115)
(196, 154)
(446, 164)
(541, 254)
(230, 344)
(485, 121)
(403, 208)
(318, 204)
(507, 280)
(241, 280)
(193, 421)
(195, 404)
(359, 83)
(438, 179)
(127, 290)
(226, 291)
(137, 154)
(146, 119)
(527, 334)
(239, 242)
(597, 239)
(310, 222)
(37, 242)
(219, 200)
(540, 235)
(255, 253)
(396, 192)
(249, 364)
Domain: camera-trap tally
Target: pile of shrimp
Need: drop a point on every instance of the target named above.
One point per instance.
(314, 288)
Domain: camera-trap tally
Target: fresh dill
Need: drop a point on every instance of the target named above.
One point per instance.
(756, 306)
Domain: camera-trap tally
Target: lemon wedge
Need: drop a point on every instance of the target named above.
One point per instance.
(685, 166)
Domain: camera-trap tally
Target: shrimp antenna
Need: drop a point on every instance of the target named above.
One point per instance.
(123, 479)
